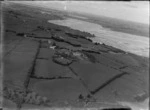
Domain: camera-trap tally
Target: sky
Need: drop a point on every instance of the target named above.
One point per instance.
(137, 11)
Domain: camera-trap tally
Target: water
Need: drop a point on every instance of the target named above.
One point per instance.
(137, 11)
(138, 45)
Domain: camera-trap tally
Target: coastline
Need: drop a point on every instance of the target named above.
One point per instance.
(130, 43)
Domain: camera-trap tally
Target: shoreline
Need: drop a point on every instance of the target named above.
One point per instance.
(124, 42)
